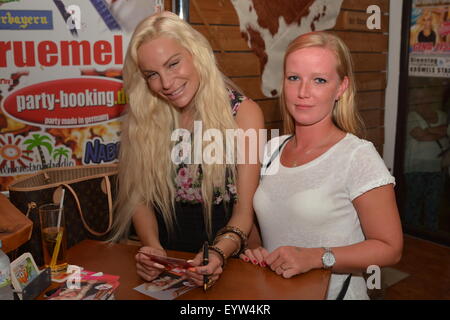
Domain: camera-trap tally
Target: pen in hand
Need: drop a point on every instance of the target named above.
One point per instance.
(205, 262)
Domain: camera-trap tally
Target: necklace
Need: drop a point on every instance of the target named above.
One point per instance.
(309, 151)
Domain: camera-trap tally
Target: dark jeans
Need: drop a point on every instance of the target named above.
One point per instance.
(424, 191)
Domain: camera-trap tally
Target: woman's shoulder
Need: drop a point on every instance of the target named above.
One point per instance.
(249, 115)
(359, 148)
(356, 141)
(352, 144)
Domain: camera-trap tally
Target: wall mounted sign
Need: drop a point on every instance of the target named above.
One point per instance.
(61, 93)
(429, 42)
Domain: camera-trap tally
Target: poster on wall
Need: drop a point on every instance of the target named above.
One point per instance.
(429, 42)
(61, 92)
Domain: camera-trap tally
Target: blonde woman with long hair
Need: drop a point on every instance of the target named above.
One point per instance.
(330, 203)
(426, 28)
(174, 86)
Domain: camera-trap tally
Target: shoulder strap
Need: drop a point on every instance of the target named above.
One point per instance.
(343, 291)
(275, 154)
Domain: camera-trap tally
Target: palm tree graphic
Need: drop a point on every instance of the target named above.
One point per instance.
(38, 142)
(61, 152)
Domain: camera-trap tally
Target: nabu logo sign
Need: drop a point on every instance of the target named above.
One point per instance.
(97, 152)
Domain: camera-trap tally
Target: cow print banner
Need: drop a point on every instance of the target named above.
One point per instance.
(269, 26)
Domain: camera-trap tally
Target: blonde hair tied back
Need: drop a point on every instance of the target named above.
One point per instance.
(345, 114)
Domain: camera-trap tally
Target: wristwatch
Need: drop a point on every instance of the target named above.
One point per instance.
(328, 258)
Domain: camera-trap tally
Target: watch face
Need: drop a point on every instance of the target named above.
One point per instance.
(328, 259)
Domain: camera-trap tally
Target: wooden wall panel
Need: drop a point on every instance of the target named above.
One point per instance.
(251, 87)
(370, 81)
(239, 63)
(357, 21)
(271, 109)
(370, 99)
(364, 41)
(214, 12)
(369, 61)
(376, 135)
(363, 4)
(372, 118)
(227, 38)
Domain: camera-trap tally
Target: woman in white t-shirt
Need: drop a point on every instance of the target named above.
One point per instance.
(326, 199)
(426, 139)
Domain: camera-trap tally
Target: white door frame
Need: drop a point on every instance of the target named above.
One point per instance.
(393, 76)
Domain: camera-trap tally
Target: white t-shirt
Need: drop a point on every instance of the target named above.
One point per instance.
(311, 206)
(422, 156)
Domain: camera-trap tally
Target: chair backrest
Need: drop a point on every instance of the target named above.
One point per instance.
(15, 227)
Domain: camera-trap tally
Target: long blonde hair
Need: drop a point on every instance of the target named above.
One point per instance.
(146, 173)
(420, 26)
(345, 115)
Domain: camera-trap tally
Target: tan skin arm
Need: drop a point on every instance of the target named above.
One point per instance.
(429, 134)
(440, 131)
(249, 116)
(146, 226)
(380, 222)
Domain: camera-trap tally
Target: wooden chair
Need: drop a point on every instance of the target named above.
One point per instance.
(15, 227)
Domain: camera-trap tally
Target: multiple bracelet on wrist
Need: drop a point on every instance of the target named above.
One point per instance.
(236, 231)
(234, 234)
(232, 237)
(220, 253)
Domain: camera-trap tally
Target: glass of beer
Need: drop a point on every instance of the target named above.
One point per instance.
(54, 237)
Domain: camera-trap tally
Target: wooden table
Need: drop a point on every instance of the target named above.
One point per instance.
(239, 281)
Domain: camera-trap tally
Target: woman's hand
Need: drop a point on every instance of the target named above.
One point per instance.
(146, 268)
(213, 269)
(289, 261)
(255, 256)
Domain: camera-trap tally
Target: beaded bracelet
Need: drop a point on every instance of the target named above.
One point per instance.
(238, 232)
(221, 254)
(231, 236)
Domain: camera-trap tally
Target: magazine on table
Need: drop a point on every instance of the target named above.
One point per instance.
(168, 286)
(92, 286)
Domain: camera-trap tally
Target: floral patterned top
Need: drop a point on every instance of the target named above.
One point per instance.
(188, 186)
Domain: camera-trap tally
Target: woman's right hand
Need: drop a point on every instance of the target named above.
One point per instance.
(255, 256)
(145, 267)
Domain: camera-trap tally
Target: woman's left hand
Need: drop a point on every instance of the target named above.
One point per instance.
(213, 269)
(289, 261)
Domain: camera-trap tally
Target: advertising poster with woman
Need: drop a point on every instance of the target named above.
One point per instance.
(429, 51)
(61, 92)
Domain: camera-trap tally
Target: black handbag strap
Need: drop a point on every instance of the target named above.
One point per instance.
(274, 155)
(344, 289)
